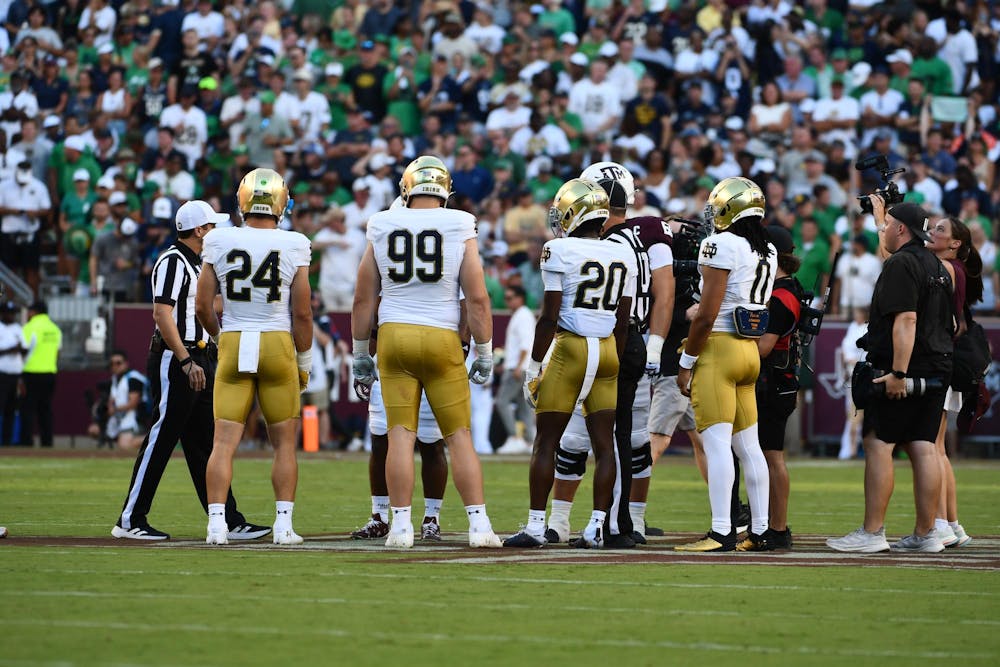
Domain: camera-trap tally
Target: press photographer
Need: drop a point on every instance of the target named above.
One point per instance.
(909, 349)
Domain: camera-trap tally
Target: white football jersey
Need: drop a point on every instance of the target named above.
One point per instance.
(255, 268)
(750, 277)
(419, 255)
(592, 275)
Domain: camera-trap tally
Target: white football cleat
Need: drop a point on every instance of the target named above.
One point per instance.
(484, 540)
(286, 535)
(400, 539)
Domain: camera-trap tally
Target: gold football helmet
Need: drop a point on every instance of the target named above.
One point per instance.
(577, 201)
(427, 175)
(263, 192)
(733, 199)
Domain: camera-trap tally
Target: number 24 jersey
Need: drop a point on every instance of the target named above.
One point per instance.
(255, 268)
(419, 256)
(593, 275)
(750, 277)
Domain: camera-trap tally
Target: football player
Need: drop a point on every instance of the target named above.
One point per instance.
(589, 287)
(649, 238)
(720, 363)
(418, 257)
(265, 345)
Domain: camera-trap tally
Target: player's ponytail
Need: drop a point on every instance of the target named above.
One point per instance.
(752, 229)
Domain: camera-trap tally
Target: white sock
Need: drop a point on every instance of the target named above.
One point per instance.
(217, 516)
(954, 525)
(432, 508)
(536, 523)
(638, 513)
(401, 519)
(942, 525)
(595, 524)
(717, 440)
(746, 444)
(479, 520)
(380, 506)
(560, 512)
(283, 512)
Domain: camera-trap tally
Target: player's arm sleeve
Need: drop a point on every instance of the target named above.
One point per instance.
(302, 252)
(552, 260)
(467, 228)
(552, 281)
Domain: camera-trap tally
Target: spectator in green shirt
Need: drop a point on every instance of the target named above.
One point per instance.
(556, 18)
(815, 255)
(339, 93)
(543, 187)
(400, 88)
(69, 157)
(933, 70)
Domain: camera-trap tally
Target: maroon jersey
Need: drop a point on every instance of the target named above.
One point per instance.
(640, 234)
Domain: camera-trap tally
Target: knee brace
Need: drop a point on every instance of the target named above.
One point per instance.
(570, 465)
(642, 461)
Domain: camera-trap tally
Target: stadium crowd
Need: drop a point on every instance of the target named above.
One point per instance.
(113, 114)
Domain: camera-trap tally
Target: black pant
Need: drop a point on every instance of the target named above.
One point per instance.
(630, 370)
(37, 405)
(179, 413)
(8, 400)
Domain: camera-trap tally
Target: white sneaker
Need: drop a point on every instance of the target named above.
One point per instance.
(515, 446)
(557, 531)
(355, 445)
(217, 536)
(929, 543)
(484, 539)
(860, 541)
(400, 539)
(961, 537)
(3, 532)
(947, 536)
(286, 535)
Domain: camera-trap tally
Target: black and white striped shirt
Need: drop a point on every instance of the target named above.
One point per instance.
(626, 235)
(175, 282)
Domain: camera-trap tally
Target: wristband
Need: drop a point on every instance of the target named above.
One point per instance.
(687, 361)
(654, 345)
(187, 361)
(484, 350)
(360, 347)
(534, 367)
(304, 360)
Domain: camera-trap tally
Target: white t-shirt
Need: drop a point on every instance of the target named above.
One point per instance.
(24, 101)
(593, 275)
(255, 268)
(232, 107)
(312, 114)
(33, 196)
(884, 105)
(488, 38)
(846, 108)
(520, 337)
(594, 103)
(192, 134)
(210, 25)
(960, 51)
(180, 186)
(750, 278)
(419, 255)
(104, 20)
(338, 269)
(625, 79)
(10, 335)
(857, 276)
(549, 140)
(502, 118)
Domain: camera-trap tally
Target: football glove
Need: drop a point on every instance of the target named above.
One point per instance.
(303, 380)
(653, 349)
(364, 369)
(304, 361)
(482, 366)
(531, 382)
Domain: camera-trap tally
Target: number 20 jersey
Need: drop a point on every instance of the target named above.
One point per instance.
(419, 256)
(750, 277)
(255, 268)
(593, 275)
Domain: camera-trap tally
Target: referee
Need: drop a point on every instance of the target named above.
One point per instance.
(181, 371)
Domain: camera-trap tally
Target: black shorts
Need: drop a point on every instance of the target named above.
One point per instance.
(772, 416)
(907, 420)
(20, 251)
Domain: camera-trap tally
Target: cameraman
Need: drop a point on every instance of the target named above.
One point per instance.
(908, 342)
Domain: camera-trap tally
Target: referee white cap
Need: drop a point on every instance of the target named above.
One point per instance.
(197, 213)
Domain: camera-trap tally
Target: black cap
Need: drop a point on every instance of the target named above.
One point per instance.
(781, 239)
(189, 91)
(914, 217)
(8, 307)
(39, 306)
(863, 241)
(24, 164)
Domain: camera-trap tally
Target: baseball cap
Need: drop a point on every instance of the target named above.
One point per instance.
(197, 213)
(814, 156)
(839, 54)
(367, 45)
(860, 73)
(81, 175)
(267, 97)
(208, 83)
(361, 184)
(116, 198)
(106, 48)
(162, 208)
(334, 69)
(154, 63)
(900, 56)
(128, 227)
(380, 160)
(75, 143)
(608, 50)
(51, 121)
(303, 74)
(781, 239)
(9, 307)
(914, 217)
(579, 59)
(453, 17)
(569, 38)
(106, 181)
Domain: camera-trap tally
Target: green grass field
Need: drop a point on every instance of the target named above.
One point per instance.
(91, 602)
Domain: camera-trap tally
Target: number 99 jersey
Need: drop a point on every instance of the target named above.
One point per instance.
(593, 275)
(750, 277)
(255, 268)
(419, 255)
